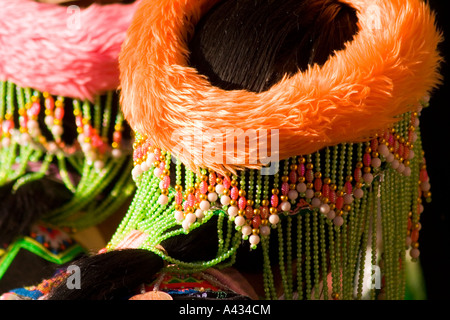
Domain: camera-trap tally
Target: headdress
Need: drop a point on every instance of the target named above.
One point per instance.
(347, 170)
(60, 119)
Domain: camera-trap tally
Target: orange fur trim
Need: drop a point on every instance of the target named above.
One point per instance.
(388, 67)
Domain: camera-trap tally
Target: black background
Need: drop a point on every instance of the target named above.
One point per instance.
(435, 127)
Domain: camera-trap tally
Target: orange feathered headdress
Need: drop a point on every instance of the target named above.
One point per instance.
(382, 73)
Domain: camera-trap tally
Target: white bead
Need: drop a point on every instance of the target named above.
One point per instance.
(358, 193)
(99, 164)
(338, 221)
(25, 139)
(205, 205)
(264, 230)
(52, 147)
(348, 199)
(407, 172)
(57, 130)
(246, 230)
(86, 147)
(151, 157)
(239, 221)
(149, 162)
(219, 188)
(186, 225)
(285, 206)
(309, 193)
(383, 150)
(179, 216)
(292, 194)
(395, 164)
(390, 157)
(232, 211)
(254, 239)
(116, 153)
(376, 162)
(212, 197)
(144, 166)
(225, 200)
(32, 125)
(80, 138)
(301, 187)
(161, 183)
(331, 215)
(425, 186)
(324, 208)
(157, 172)
(163, 199)
(49, 121)
(274, 219)
(315, 202)
(6, 142)
(368, 177)
(137, 170)
(199, 214)
(190, 218)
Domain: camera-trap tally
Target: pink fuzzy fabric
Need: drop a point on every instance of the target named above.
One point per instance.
(41, 49)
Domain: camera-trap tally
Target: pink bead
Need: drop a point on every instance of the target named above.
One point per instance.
(117, 136)
(414, 253)
(301, 169)
(292, 194)
(338, 221)
(301, 187)
(79, 121)
(7, 125)
(358, 193)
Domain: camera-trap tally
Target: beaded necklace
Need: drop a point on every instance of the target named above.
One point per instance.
(336, 198)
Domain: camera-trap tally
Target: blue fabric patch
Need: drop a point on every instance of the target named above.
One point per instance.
(33, 294)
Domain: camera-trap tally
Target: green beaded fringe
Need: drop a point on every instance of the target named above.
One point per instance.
(101, 167)
(361, 255)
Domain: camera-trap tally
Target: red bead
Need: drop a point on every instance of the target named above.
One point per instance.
(248, 212)
(49, 103)
(293, 177)
(348, 187)
(212, 179)
(242, 203)
(357, 175)
(59, 113)
(318, 184)
(264, 212)
(234, 193)
(166, 182)
(190, 200)
(367, 159)
(309, 175)
(332, 196)
(414, 235)
(301, 169)
(256, 222)
(339, 203)
(374, 144)
(226, 182)
(274, 201)
(178, 197)
(423, 175)
(285, 188)
(117, 136)
(203, 187)
(326, 190)
(34, 109)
